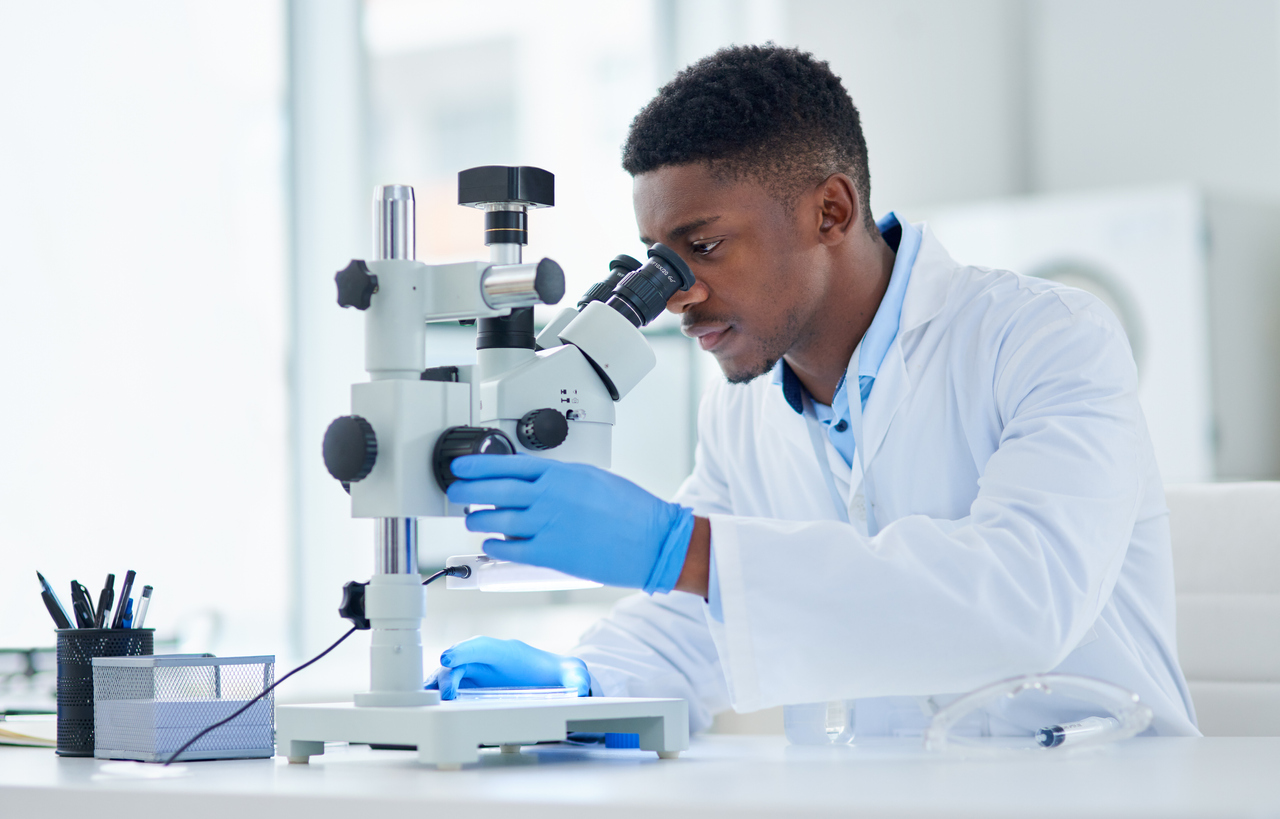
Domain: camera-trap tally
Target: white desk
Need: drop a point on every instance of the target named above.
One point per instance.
(725, 775)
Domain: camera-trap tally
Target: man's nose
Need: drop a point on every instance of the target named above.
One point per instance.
(684, 299)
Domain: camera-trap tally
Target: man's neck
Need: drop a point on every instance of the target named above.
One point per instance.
(821, 360)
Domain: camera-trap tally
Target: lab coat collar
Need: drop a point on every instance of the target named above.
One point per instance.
(930, 282)
(926, 294)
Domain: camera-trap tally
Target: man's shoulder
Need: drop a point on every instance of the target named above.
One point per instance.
(978, 289)
(986, 303)
(994, 318)
(975, 286)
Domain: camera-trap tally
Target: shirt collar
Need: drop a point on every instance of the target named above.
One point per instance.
(904, 238)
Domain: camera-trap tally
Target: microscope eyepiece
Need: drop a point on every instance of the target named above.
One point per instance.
(602, 290)
(642, 294)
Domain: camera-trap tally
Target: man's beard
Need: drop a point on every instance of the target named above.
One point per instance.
(769, 350)
(746, 376)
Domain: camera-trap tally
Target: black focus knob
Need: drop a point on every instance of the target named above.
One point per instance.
(352, 607)
(542, 429)
(350, 448)
(458, 441)
(356, 285)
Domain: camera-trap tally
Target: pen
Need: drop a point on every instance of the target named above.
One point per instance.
(127, 620)
(88, 603)
(1067, 733)
(125, 589)
(53, 604)
(80, 607)
(104, 601)
(144, 600)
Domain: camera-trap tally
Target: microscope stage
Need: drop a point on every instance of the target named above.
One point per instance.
(450, 733)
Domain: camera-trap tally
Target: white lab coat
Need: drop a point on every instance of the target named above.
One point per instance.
(1010, 520)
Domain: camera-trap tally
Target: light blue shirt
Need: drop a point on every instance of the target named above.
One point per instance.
(905, 239)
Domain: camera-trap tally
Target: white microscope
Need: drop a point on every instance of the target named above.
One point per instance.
(550, 396)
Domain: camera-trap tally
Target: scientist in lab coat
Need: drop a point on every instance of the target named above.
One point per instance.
(918, 478)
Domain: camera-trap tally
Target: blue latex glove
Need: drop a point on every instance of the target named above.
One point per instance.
(483, 662)
(575, 518)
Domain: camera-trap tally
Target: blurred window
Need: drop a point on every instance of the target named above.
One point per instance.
(144, 319)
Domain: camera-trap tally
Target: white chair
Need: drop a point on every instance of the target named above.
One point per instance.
(1226, 560)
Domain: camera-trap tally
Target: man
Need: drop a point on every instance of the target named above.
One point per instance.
(920, 477)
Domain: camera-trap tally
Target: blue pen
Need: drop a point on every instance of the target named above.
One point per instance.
(118, 620)
(127, 620)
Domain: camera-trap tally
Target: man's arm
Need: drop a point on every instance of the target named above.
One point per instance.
(696, 574)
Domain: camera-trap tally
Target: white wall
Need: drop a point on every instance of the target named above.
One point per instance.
(988, 98)
(939, 86)
(1144, 91)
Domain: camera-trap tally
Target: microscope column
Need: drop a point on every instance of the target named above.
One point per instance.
(506, 342)
(395, 599)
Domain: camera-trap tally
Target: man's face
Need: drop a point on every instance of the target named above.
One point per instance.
(760, 272)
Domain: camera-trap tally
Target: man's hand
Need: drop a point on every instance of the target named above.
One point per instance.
(574, 518)
(483, 662)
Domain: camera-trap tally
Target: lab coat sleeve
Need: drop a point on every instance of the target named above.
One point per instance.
(705, 490)
(657, 646)
(814, 610)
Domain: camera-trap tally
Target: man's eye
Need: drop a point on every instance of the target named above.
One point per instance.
(703, 248)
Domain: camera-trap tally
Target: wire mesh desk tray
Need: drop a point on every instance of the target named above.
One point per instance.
(146, 708)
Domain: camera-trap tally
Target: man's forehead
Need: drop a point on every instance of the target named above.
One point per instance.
(674, 200)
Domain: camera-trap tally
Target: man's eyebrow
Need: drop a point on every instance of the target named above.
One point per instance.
(682, 230)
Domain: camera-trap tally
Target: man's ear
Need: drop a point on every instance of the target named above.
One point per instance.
(838, 208)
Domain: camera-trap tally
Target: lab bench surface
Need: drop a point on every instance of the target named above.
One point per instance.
(717, 776)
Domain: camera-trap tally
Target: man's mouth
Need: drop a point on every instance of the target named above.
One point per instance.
(709, 335)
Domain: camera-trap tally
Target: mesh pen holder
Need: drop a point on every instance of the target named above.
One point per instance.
(149, 707)
(76, 649)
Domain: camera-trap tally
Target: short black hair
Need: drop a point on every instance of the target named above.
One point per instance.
(775, 115)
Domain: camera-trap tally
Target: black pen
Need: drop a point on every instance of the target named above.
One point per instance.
(104, 601)
(80, 606)
(118, 620)
(53, 604)
(88, 602)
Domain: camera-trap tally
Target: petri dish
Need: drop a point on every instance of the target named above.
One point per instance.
(518, 693)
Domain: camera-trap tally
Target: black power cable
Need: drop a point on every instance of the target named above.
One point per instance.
(452, 571)
(246, 706)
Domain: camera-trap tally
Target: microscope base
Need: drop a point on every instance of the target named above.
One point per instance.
(449, 734)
